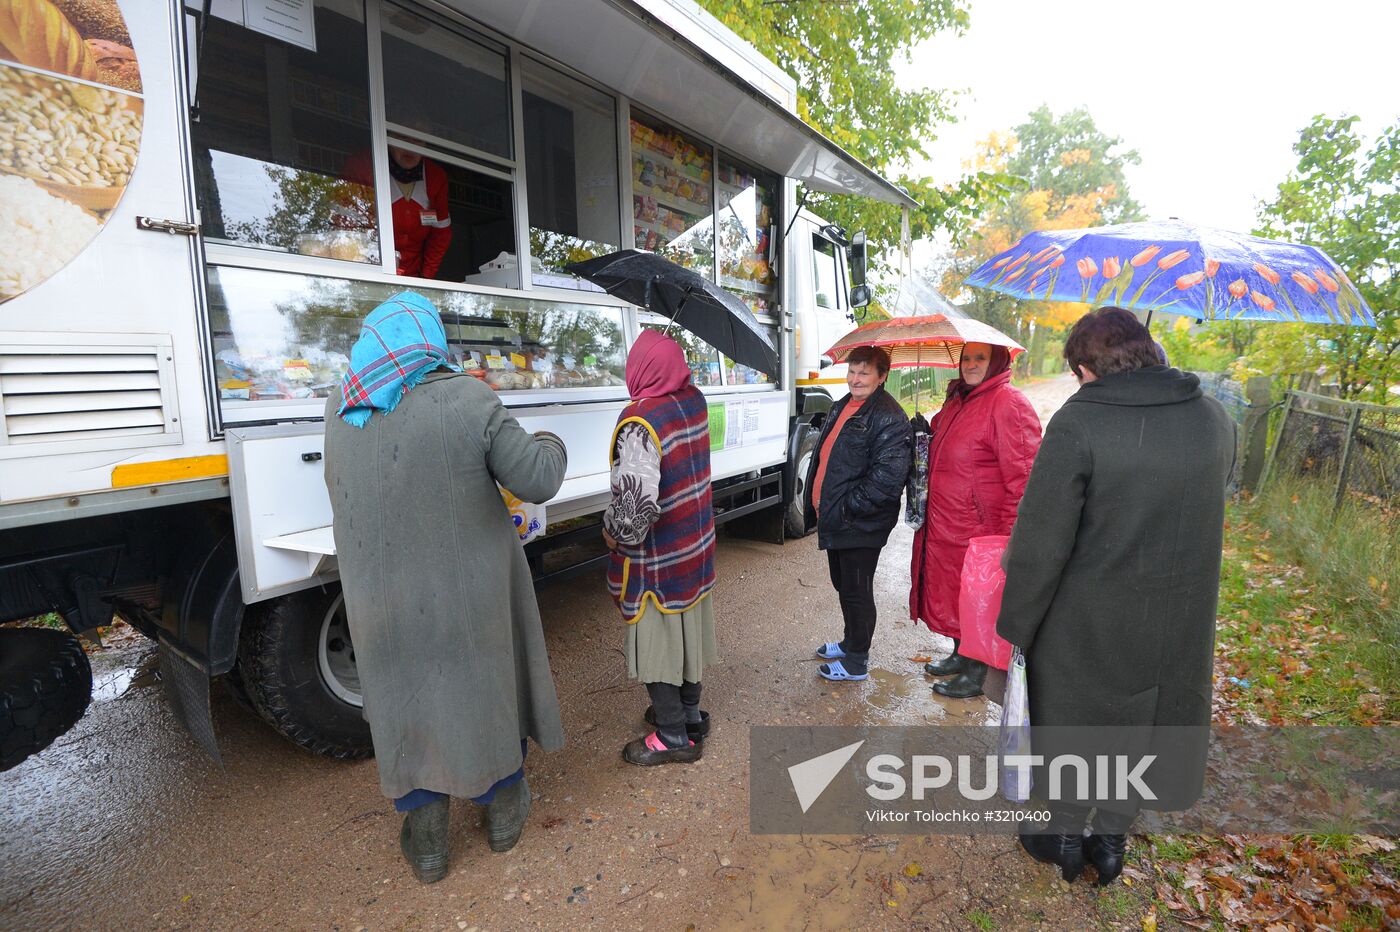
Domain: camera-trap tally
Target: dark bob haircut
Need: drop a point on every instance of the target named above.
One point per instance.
(1110, 340)
(869, 354)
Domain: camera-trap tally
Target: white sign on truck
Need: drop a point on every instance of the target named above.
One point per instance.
(200, 207)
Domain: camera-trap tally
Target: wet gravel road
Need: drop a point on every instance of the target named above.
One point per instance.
(126, 824)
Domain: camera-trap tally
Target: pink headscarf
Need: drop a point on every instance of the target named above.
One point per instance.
(656, 366)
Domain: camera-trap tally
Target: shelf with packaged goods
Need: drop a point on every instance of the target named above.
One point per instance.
(668, 162)
(656, 226)
(671, 201)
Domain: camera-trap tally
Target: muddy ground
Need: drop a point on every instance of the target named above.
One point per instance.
(126, 824)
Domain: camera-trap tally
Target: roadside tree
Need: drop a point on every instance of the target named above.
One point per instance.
(1073, 176)
(847, 89)
(1344, 199)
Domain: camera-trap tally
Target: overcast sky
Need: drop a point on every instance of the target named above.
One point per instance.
(1211, 93)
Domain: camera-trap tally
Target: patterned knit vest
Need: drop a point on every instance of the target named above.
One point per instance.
(675, 565)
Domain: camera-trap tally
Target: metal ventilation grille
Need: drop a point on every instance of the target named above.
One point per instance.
(49, 396)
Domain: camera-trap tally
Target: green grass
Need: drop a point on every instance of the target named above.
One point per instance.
(982, 920)
(49, 620)
(1117, 902)
(1169, 848)
(1309, 633)
(1310, 609)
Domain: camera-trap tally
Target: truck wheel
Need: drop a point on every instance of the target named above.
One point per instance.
(45, 685)
(794, 521)
(297, 665)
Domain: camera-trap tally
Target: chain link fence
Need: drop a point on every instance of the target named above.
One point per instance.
(1353, 447)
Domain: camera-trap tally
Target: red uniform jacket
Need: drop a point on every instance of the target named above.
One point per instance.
(422, 221)
(980, 456)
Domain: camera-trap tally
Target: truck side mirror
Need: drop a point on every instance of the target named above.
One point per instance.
(860, 291)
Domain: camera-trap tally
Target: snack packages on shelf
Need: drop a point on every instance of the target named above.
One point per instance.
(506, 370)
(315, 374)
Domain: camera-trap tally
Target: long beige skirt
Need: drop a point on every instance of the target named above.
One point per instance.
(672, 649)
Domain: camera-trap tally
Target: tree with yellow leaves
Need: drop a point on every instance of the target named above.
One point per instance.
(1073, 178)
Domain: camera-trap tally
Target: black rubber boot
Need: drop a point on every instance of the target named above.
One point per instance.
(966, 684)
(1106, 852)
(506, 815)
(424, 840)
(953, 663)
(1064, 849)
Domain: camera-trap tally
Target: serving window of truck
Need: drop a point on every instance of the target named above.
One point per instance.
(384, 147)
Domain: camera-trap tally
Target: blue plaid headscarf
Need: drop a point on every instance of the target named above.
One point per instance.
(400, 342)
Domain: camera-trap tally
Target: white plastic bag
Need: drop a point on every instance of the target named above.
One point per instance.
(528, 518)
(1015, 736)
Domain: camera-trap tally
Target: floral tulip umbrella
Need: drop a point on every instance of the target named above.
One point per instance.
(1178, 268)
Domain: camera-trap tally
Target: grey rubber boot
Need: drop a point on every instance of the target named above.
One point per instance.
(506, 815)
(424, 841)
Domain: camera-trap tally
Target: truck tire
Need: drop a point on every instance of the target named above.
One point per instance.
(794, 520)
(45, 685)
(296, 664)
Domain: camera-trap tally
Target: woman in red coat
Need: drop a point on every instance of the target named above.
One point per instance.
(983, 442)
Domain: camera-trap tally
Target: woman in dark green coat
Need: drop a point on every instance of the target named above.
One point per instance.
(438, 593)
(1113, 570)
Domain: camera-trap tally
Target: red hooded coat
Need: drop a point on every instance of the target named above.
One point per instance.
(980, 455)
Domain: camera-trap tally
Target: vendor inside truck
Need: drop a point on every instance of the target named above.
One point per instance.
(421, 212)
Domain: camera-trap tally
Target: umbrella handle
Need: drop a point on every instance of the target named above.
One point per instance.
(679, 307)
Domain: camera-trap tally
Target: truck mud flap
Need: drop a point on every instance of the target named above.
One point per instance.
(187, 690)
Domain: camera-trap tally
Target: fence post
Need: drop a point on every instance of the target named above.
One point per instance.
(1352, 419)
(1278, 442)
(1257, 392)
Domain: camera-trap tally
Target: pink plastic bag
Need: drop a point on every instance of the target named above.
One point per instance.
(979, 601)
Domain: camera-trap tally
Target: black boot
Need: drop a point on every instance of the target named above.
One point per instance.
(1106, 852)
(423, 840)
(1064, 849)
(966, 684)
(506, 814)
(953, 663)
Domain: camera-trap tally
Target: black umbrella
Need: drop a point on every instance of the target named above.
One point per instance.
(692, 301)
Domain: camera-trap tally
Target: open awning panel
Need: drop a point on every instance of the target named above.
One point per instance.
(655, 54)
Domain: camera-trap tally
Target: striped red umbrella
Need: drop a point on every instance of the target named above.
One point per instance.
(930, 340)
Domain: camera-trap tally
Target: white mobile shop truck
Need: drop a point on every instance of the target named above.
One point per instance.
(220, 217)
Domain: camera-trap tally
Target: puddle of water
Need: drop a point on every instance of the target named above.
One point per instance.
(908, 699)
(126, 676)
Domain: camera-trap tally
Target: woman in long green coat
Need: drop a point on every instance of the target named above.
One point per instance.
(1113, 569)
(438, 593)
